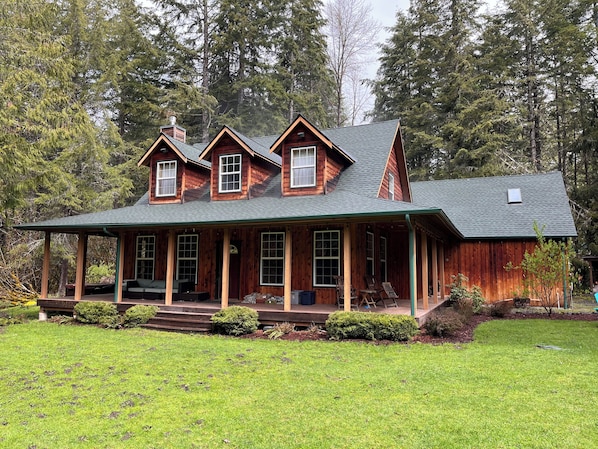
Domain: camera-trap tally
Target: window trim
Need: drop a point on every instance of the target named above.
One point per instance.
(262, 258)
(369, 258)
(221, 174)
(138, 240)
(391, 186)
(383, 255)
(315, 257)
(179, 258)
(293, 167)
(161, 179)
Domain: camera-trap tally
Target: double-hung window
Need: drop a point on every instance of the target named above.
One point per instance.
(230, 173)
(369, 253)
(303, 167)
(326, 258)
(144, 258)
(272, 258)
(166, 178)
(187, 252)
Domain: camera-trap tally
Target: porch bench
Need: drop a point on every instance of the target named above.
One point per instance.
(154, 289)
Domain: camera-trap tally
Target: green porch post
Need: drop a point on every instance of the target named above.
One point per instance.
(412, 269)
(117, 276)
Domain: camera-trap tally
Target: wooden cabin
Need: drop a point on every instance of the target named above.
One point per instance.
(291, 212)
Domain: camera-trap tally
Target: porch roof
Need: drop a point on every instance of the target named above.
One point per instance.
(340, 205)
(479, 207)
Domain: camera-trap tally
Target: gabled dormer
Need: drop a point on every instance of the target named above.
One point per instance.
(241, 167)
(175, 169)
(394, 184)
(311, 163)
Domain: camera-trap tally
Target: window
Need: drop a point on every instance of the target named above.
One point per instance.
(369, 253)
(326, 258)
(187, 252)
(166, 179)
(303, 167)
(391, 186)
(383, 260)
(144, 260)
(230, 173)
(272, 258)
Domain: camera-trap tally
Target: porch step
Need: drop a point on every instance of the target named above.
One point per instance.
(181, 321)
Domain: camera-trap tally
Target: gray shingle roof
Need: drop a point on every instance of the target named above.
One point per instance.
(478, 206)
(191, 152)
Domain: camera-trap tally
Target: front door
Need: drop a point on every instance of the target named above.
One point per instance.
(234, 271)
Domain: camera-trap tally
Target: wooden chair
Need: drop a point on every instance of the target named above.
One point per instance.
(340, 294)
(390, 297)
(374, 291)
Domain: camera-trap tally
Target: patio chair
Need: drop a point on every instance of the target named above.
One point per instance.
(390, 297)
(374, 291)
(340, 294)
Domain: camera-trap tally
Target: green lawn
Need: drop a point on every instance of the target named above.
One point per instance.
(84, 387)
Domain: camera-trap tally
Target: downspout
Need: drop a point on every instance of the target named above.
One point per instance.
(412, 280)
(117, 264)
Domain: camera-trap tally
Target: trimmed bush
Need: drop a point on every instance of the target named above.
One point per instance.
(371, 326)
(92, 312)
(139, 314)
(500, 309)
(444, 324)
(235, 320)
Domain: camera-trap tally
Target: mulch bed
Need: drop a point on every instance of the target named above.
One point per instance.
(464, 335)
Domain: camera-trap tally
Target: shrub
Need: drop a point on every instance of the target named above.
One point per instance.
(500, 309)
(460, 292)
(444, 324)
(370, 326)
(95, 312)
(464, 307)
(139, 314)
(235, 320)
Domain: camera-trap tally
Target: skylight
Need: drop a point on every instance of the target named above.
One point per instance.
(514, 196)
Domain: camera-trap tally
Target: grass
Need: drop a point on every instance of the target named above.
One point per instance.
(84, 387)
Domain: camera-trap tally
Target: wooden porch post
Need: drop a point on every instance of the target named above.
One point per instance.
(120, 264)
(225, 268)
(170, 256)
(425, 272)
(80, 273)
(435, 270)
(441, 258)
(412, 265)
(288, 267)
(46, 267)
(347, 267)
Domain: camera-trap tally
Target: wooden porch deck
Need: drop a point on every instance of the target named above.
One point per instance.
(194, 316)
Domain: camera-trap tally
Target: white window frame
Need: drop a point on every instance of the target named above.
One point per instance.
(225, 162)
(295, 167)
(319, 254)
(145, 252)
(369, 253)
(383, 259)
(170, 167)
(391, 186)
(272, 254)
(181, 248)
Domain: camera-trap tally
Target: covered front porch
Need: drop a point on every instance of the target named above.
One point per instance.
(194, 316)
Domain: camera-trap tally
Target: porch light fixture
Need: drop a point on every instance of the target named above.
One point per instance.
(301, 134)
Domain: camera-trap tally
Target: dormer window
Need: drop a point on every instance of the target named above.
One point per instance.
(303, 167)
(230, 173)
(166, 178)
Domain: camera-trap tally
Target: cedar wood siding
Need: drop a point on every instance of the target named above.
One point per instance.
(483, 263)
(328, 165)
(302, 258)
(396, 168)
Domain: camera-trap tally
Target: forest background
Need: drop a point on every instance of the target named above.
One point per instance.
(86, 84)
